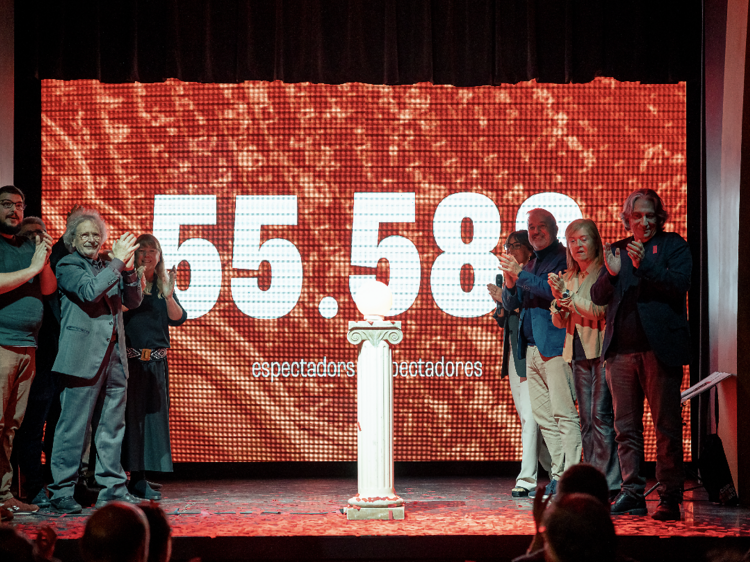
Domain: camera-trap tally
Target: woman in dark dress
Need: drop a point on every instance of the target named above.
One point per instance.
(146, 445)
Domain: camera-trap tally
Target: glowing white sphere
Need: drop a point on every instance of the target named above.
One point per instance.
(374, 300)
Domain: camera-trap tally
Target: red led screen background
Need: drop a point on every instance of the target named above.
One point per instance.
(252, 188)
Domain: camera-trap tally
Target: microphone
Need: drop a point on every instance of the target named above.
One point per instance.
(499, 280)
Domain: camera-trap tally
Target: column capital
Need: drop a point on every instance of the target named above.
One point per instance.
(375, 332)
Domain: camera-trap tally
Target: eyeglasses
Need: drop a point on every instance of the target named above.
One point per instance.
(8, 205)
(90, 236)
(516, 246)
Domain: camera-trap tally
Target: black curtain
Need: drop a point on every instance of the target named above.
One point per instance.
(459, 42)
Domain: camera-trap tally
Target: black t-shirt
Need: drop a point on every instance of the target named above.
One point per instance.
(147, 327)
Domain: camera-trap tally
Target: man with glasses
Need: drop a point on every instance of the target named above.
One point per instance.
(92, 359)
(25, 276)
(550, 378)
(534, 451)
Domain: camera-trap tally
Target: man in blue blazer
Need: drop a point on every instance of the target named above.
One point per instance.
(92, 358)
(549, 377)
(645, 346)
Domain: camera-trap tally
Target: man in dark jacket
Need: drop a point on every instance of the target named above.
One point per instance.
(645, 346)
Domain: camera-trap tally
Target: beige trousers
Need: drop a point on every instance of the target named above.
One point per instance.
(17, 369)
(553, 402)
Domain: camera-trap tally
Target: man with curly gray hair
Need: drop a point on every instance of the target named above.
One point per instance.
(92, 359)
(646, 344)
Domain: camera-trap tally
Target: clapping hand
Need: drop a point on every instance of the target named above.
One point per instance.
(45, 542)
(46, 239)
(168, 282)
(124, 249)
(612, 261)
(556, 284)
(142, 278)
(495, 292)
(41, 253)
(511, 268)
(636, 251)
(540, 506)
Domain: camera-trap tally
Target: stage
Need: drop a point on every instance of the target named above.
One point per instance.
(447, 518)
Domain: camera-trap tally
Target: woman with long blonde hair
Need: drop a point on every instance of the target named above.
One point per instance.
(583, 321)
(147, 444)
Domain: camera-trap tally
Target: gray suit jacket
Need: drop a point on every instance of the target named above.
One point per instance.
(91, 303)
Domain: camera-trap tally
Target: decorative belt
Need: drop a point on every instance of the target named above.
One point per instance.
(147, 354)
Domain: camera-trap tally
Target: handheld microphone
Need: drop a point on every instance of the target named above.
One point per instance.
(499, 280)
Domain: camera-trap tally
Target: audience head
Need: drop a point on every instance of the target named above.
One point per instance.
(149, 255)
(584, 244)
(518, 246)
(578, 528)
(117, 532)
(14, 547)
(582, 478)
(32, 227)
(12, 205)
(542, 228)
(160, 533)
(86, 232)
(644, 214)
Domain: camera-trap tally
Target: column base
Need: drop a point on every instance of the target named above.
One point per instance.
(383, 513)
(376, 501)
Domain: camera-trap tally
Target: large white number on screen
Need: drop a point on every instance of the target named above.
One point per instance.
(445, 278)
(172, 211)
(252, 212)
(370, 209)
(563, 208)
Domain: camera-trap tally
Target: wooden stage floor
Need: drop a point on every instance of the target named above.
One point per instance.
(446, 519)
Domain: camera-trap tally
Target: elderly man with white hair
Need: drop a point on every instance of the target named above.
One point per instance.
(92, 359)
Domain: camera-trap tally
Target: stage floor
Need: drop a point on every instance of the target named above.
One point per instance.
(446, 519)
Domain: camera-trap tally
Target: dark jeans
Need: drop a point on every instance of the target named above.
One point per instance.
(28, 442)
(631, 377)
(597, 419)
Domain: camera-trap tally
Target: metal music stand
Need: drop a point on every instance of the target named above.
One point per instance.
(697, 389)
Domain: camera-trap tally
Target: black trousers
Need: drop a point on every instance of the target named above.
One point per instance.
(632, 377)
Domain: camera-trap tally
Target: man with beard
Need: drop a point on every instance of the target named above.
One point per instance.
(25, 276)
(92, 359)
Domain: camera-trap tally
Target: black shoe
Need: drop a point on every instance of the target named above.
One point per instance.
(550, 489)
(667, 510)
(66, 505)
(127, 498)
(154, 485)
(142, 489)
(519, 492)
(625, 504)
(41, 500)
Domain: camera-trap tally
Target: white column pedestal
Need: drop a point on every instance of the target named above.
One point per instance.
(376, 497)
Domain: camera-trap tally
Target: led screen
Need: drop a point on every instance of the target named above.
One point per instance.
(277, 201)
